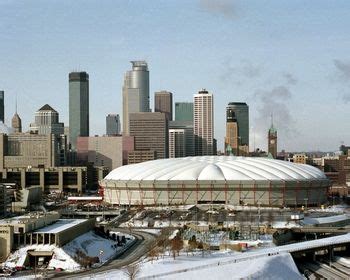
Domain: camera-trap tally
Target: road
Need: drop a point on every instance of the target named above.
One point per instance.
(144, 242)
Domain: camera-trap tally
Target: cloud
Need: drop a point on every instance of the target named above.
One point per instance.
(225, 8)
(343, 69)
(4, 128)
(343, 74)
(244, 69)
(290, 79)
(274, 101)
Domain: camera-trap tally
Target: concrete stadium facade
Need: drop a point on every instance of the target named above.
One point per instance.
(218, 180)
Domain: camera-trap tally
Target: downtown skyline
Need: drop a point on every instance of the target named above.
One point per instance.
(297, 69)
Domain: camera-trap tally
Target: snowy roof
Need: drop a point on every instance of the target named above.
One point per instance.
(228, 168)
(60, 225)
(326, 220)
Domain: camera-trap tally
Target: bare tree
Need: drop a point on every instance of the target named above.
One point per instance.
(131, 271)
(176, 245)
(154, 253)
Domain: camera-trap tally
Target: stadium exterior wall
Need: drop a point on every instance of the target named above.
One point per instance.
(265, 192)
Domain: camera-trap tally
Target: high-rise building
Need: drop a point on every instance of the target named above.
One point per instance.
(272, 141)
(47, 121)
(26, 149)
(150, 131)
(163, 102)
(112, 124)
(16, 123)
(184, 111)
(241, 111)
(78, 106)
(101, 151)
(203, 123)
(231, 138)
(135, 92)
(180, 131)
(177, 143)
(2, 106)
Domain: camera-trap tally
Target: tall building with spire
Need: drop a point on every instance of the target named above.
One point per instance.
(204, 123)
(135, 92)
(78, 106)
(272, 140)
(16, 122)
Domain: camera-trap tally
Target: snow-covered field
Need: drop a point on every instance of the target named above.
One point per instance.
(212, 266)
(88, 244)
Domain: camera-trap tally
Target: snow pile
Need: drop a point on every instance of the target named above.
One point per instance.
(217, 265)
(63, 260)
(92, 245)
(172, 236)
(18, 257)
(88, 244)
(287, 224)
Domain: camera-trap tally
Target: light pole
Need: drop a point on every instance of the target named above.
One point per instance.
(306, 199)
(259, 219)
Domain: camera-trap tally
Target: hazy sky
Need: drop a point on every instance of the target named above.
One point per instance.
(289, 58)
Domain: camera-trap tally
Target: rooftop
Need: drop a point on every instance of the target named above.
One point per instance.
(60, 225)
(47, 107)
(229, 168)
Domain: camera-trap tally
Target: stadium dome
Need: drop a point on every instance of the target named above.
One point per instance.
(216, 179)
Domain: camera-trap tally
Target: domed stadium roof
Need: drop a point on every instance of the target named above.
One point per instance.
(228, 168)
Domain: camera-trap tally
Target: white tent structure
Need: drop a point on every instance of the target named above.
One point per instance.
(216, 179)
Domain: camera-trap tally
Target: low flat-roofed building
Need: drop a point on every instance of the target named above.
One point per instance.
(40, 228)
(68, 179)
(16, 231)
(62, 231)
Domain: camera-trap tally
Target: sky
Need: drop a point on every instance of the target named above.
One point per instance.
(286, 58)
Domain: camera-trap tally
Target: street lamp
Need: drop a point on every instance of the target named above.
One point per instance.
(101, 254)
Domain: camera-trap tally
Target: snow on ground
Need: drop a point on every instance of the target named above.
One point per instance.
(326, 220)
(155, 231)
(172, 236)
(343, 261)
(339, 208)
(286, 224)
(214, 266)
(89, 243)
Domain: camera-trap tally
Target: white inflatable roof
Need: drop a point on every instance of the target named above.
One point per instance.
(228, 168)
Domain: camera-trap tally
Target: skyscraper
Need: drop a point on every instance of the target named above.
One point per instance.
(135, 92)
(47, 121)
(231, 138)
(112, 124)
(2, 108)
(16, 123)
(78, 106)
(184, 111)
(241, 111)
(203, 123)
(150, 131)
(163, 102)
(177, 143)
(272, 140)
